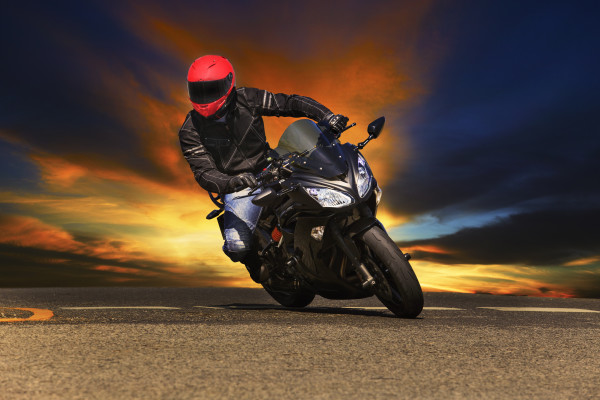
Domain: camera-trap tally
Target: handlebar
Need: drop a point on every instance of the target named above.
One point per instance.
(273, 170)
(263, 175)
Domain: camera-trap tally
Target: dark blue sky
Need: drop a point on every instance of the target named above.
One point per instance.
(512, 115)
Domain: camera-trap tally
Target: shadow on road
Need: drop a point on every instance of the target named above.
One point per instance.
(310, 310)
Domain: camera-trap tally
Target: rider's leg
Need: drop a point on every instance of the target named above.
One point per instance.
(240, 219)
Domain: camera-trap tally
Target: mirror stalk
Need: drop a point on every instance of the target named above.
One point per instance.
(363, 144)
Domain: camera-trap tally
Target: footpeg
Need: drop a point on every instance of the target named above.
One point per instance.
(290, 265)
(214, 213)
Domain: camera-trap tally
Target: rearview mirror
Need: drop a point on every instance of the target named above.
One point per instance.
(375, 127)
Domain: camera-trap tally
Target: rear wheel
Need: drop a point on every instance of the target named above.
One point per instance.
(398, 287)
(282, 286)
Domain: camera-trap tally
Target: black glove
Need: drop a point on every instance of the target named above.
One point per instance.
(337, 122)
(241, 181)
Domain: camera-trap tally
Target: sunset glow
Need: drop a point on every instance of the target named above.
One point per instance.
(95, 190)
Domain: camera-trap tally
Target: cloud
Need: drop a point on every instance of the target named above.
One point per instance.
(492, 279)
(548, 159)
(543, 238)
(27, 231)
(108, 99)
(584, 284)
(543, 253)
(110, 179)
(35, 267)
(119, 98)
(363, 74)
(490, 126)
(503, 279)
(33, 253)
(510, 117)
(583, 261)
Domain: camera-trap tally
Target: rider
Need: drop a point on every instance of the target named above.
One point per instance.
(223, 139)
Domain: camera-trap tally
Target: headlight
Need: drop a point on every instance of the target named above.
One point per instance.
(329, 197)
(363, 179)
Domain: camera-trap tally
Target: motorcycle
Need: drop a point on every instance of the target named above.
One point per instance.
(318, 232)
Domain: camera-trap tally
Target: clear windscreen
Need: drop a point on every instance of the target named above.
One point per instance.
(317, 151)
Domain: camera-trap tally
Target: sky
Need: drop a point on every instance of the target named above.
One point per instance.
(488, 161)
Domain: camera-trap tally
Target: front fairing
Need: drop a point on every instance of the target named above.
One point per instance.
(345, 184)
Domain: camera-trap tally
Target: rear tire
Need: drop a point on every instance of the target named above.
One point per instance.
(296, 299)
(404, 296)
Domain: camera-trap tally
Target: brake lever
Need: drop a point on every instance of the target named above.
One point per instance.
(345, 129)
(348, 127)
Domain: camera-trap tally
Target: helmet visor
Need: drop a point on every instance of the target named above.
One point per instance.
(205, 92)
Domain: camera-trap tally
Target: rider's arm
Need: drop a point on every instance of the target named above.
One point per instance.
(201, 162)
(285, 105)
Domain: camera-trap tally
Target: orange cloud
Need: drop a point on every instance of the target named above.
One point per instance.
(30, 232)
(583, 261)
(135, 214)
(91, 190)
(63, 253)
(428, 249)
(121, 270)
(493, 279)
(363, 80)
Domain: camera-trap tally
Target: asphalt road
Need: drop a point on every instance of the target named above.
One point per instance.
(238, 343)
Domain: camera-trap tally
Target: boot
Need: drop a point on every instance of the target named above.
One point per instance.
(258, 272)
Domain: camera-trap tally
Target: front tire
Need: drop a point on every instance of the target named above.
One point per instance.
(403, 295)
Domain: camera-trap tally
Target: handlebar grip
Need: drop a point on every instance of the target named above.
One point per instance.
(261, 179)
(264, 175)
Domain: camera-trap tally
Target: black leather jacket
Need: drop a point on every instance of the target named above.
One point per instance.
(217, 151)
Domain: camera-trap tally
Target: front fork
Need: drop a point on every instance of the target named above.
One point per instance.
(353, 254)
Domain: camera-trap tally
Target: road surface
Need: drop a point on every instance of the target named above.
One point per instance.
(174, 343)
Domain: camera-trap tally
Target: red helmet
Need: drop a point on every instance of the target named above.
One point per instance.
(210, 85)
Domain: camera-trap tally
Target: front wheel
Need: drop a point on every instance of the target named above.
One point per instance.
(400, 291)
